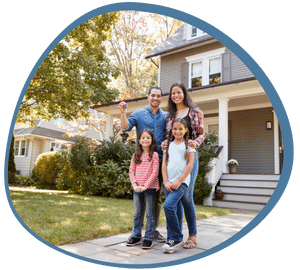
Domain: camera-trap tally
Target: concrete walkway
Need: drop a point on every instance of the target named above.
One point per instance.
(211, 232)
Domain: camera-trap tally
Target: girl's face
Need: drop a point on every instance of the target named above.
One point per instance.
(179, 130)
(177, 95)
(145, 140)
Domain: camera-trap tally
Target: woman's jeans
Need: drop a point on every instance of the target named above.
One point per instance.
(142, 200)
(174, 224)
(187, 201)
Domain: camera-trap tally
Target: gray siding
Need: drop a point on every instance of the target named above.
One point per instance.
(173, 68)
(249, 141)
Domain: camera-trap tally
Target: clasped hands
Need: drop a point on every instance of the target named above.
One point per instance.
(172, 186)
(139, 189)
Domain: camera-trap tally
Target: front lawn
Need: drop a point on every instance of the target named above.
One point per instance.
(67, 218)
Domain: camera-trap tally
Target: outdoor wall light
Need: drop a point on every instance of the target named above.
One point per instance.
(268, 125)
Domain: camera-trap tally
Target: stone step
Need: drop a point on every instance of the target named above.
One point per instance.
(238, 205)
(246, 198)
(248, 183)
(247, 190)
(261, 177)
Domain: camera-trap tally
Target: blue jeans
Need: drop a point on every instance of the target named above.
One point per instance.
(174, 224)
(142, 200)
(187, 201)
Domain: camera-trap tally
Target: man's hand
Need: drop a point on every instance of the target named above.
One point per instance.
(123, 107)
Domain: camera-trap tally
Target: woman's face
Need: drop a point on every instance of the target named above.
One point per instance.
(177, 95)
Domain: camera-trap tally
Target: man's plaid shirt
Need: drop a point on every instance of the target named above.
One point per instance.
(197, 125)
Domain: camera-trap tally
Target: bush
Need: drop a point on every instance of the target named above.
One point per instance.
(206, 152)
(23, 180)
(47, 166)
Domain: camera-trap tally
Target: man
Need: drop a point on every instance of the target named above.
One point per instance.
(154, 118)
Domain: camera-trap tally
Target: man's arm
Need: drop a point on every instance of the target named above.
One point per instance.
(123, 109)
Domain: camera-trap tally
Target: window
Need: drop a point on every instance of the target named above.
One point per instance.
(194, 32)
(20, 148)
(57, 147)
(205, 68)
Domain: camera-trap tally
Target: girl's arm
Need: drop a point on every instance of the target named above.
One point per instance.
(164, 172)
(132, 169)
(154, 174)
(186, 172)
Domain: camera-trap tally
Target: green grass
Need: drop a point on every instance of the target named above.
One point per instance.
(66, 218)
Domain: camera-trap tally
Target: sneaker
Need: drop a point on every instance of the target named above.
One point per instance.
(147, 244)
(159, 238)
(133, 241)
(170, 246)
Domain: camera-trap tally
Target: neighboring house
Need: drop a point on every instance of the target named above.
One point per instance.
(45, 137)
(234, 104)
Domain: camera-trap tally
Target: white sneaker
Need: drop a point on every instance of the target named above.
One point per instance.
(170, 246)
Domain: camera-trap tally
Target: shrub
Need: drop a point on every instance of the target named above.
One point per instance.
(206, 152)
(11, 162)
(47, 167)
(23, 180)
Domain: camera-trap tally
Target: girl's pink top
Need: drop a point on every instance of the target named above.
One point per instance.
(146, 173)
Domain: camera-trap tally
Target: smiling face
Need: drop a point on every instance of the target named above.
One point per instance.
(177, 95)
(178, 131)
(145, 140)
(154, 98)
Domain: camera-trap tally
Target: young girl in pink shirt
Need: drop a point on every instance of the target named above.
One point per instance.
(143, 173)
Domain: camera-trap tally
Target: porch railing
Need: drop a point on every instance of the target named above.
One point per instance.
(214, 175)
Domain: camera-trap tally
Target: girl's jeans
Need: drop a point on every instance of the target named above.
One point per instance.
(187, 201)
(174, 226)
(142, 200)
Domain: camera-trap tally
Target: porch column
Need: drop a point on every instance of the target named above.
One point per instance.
(109, 126)
(223, 132)
(276, 144)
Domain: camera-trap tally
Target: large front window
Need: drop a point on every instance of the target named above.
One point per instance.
(20, 148)
(205, 68)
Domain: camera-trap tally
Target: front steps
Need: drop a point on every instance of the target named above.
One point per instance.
(246, 191)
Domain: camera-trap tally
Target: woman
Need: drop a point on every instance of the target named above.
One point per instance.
(181, 106)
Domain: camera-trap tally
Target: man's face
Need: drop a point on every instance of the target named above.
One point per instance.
(154, 98)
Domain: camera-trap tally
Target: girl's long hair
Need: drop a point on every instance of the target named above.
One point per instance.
(139, 149)
(186, 101)
(186, 137)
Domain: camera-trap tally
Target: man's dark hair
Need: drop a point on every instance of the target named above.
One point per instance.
(154, 87)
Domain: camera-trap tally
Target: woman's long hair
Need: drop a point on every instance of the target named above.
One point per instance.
(186, 101)
(186, 137)
(139, 149)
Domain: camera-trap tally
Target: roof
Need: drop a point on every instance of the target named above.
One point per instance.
(176, 41)
(44, 132)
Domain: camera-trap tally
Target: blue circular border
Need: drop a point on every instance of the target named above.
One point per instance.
(239, 52)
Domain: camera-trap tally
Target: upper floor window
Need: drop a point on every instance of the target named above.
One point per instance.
(20, 148)
(194, 32)
(205, 68)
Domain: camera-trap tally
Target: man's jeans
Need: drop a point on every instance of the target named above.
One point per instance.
(142, 200)
(174, 224)
(187, 201)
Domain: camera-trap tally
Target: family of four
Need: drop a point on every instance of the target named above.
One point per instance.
(165, 154)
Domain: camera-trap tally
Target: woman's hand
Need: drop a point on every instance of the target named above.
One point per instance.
(200, 114)
(168, 186)
(164, 145)
(192, 143)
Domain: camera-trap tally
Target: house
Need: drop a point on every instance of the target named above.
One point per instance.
(45, 137)
(234, 104)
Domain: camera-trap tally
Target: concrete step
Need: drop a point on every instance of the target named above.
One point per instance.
(238, 205)
(248, 190)
(246, 198)
(262, 177)
(248, 183)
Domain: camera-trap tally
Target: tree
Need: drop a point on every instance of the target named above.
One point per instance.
(11, 162)
(73, 76)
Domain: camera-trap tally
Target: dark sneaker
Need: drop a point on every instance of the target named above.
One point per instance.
(147, 244)
(159, 238)
(170, 246)
(133, 241)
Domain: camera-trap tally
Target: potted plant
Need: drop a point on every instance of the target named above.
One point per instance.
(232, 163)
(219, 194)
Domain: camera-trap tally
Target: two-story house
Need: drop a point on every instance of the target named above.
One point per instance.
(234, 104)
(48, 136)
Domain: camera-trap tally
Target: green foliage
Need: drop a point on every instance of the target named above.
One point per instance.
(23, 180)
(47, 166)
(74, 75)
(206, 152)
(11, 162)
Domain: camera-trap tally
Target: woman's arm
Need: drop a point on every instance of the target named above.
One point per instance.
(186, 172)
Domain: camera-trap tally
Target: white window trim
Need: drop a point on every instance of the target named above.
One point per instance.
(20, 149)
(204, 57)
(200, 33)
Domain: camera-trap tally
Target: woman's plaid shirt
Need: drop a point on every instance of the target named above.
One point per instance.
(197, 125)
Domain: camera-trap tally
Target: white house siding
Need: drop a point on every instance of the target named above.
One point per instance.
(249, 141)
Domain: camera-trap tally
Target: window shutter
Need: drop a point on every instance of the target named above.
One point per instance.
(226, 67)
(185, 74)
